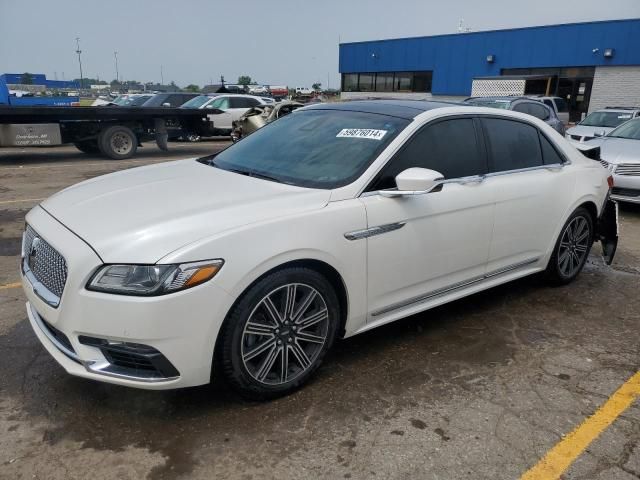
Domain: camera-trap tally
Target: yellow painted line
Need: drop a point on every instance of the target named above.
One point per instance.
(560, 457)
(10, 285)
(5, 202)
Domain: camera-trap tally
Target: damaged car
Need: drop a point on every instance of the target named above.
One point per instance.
(258, 116)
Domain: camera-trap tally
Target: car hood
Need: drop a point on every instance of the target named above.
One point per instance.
(141, 215)
(586, 131)
(617, 150)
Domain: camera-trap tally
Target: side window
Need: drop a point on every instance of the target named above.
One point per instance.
(539, 111)
(449, 147)
(521, 107)
(240, 102)
(511, 145)
(222, 103)
(252, 102)
(548, 102)
(550, 155)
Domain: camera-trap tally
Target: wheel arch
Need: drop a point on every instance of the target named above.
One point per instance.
(322, 267)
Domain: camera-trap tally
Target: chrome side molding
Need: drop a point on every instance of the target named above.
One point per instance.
(453, 287)
(370, 232)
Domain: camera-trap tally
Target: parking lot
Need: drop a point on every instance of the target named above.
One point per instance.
(481, 388)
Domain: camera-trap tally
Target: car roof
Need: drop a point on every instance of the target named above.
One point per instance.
(407, 109)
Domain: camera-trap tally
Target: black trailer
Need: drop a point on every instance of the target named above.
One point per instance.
(116, 132)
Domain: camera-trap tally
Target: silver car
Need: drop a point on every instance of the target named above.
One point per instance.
(620, 153)
(522, 105)
(600, 122)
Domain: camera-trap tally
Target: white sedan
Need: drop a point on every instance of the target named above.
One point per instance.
(326, 223)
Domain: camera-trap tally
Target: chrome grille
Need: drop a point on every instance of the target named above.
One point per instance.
(631, 169)
(46, 264)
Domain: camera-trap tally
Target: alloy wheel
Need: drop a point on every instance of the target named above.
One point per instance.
(574, 245)
(285, 334)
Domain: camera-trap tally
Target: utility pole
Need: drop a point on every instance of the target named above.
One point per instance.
(115, 55)
(161, 76)
(78, 51)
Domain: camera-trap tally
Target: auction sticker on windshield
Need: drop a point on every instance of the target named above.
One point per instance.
(361, 133)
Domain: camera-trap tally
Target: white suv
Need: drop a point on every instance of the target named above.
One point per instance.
(228, 108)
(330, 221)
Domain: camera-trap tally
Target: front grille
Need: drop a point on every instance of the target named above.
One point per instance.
(625, 192)
(631, 169)
(58, 335)
(45, 262)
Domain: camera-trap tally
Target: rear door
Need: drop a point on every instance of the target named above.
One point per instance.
(531, 186)
(221, 120)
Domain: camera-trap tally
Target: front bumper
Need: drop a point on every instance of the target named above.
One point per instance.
(626, 188)
(145, 342)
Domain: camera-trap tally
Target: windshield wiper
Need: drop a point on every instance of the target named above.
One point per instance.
(249, 173)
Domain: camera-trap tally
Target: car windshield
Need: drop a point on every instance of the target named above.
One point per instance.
(489, 102)
(630, 130)
(313, 148)
(605, 119)
(196, 102)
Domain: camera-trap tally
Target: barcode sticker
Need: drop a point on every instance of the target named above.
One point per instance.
(369, 133)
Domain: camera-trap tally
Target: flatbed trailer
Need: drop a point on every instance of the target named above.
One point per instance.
(116, 132)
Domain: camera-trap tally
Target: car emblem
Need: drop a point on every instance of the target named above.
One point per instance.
(33, 251)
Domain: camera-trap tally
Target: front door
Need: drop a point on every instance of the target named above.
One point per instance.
(434, 242)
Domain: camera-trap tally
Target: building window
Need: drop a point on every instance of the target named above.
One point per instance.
(350, 82)
(367, 82)
(384, 82)
(387, 82)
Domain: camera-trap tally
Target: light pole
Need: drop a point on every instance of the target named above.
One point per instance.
(115, 55)
(78, 51)
(161, 76)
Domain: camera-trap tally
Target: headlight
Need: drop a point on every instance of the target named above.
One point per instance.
(148, 280)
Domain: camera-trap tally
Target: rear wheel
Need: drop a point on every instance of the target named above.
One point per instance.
(277, 334)
(572, 248)
(118, 142)
(88, 146)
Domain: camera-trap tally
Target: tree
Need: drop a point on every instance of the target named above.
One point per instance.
(244, 80)
(317, 86)
(27, 79)
(192, 88)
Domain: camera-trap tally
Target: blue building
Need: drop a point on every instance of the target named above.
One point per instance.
(39, 79)
(591, 65)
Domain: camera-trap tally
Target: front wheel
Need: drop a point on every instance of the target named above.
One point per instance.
(279, 331)
(572, 248)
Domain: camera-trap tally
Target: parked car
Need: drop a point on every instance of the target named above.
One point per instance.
(557, 104)
(600, 123)
(226, 109)
(522, 105)
(620, 154)
(257, 117)
(279, 92)
(258, 90)
(303, 91)
(174, 99)
(331, 221)
(129, 100)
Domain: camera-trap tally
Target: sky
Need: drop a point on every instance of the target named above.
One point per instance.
(278, 42)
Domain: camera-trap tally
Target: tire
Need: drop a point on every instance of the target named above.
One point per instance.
(572, 248)
(88, 146)
(118, 142)
(264, 332)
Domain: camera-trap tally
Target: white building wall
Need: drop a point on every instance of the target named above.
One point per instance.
(615, 87)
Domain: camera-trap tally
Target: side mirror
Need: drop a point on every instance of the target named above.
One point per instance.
(166, 104)
(599, 134)
(414, 181)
